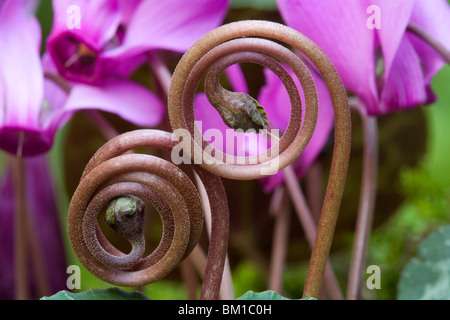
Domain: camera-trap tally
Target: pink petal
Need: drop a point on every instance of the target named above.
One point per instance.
(395, 16)
(93, 24)
(126, 99)
(170, 24)
(340, 29)
(98, 23)
(405, 85)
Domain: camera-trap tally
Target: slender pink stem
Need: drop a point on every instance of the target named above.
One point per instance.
(161, 72)
(309, 226)
(314, 185)
(366, 204)
(279, 243)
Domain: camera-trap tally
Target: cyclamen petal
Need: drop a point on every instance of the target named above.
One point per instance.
(172, 24)
(371, 60)
(81, 31)
(43, 214)
(21, 81)
(114, 36)
(128, 100)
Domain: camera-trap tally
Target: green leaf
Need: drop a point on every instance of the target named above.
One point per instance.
(265, 295)
(99, 294)
(427, 277)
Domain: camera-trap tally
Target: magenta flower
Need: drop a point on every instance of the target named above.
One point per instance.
(273, 96)
(387, 67)
(32, 109)
(113, 37)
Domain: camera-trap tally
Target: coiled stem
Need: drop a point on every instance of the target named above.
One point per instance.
(112, 174)
(212, 53)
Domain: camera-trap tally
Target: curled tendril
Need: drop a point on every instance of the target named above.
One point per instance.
(113, 173)
(259, 42)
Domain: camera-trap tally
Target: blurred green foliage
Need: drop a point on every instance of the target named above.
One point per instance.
(427, 276)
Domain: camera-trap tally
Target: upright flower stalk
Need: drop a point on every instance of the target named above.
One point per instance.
(388, 66)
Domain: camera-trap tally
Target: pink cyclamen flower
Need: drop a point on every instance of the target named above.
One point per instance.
(104, 38)
(274, 98)
(32, 109)
(379, 61)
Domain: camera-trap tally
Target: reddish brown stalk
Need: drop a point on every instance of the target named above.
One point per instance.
(111, 173)
(209, 53)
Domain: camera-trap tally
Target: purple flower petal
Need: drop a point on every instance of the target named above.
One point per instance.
(405, 86)
(81, 31)
(21, 81)
(435, 19)
(394, 16)
(126, 99)
(170, 24)
(20, 68)
(340, 29)
(44, 219)
(174, 25)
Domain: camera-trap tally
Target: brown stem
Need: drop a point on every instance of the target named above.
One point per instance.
(168, 189)
(366, 204)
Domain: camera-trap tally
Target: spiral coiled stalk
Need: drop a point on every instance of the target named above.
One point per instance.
(112, 173)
